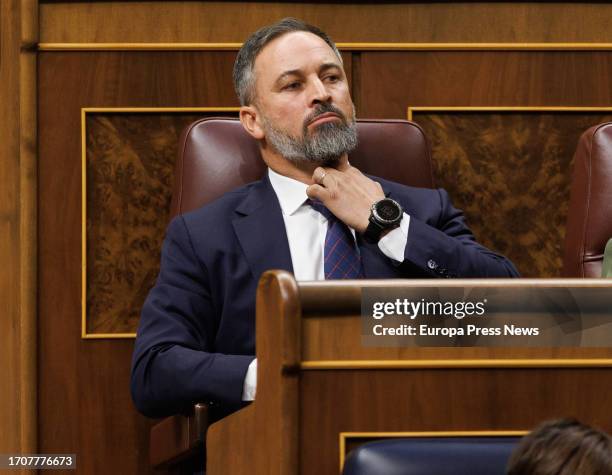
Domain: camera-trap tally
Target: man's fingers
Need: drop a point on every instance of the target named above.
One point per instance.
(317, 192)
(319, 175)
(325, 177)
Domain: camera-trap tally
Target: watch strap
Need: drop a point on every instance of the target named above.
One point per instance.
(373, 232)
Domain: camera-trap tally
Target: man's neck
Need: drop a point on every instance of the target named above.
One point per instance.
(300, 171)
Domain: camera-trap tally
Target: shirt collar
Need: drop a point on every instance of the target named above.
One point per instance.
(291, 193)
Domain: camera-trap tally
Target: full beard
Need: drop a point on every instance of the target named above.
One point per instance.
(324, 145)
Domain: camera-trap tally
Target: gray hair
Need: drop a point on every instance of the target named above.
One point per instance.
(244, 79)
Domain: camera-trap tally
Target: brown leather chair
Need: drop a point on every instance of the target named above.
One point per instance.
(589, 221)
(216, 155)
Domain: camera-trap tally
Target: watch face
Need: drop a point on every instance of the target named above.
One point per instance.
(388, 210)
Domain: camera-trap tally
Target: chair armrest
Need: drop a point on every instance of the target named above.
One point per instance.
(178, 437)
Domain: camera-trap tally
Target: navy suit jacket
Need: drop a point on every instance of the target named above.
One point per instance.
(196, 337)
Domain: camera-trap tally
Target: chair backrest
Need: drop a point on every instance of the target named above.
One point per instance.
(425, 456)
(217, 155)
(589, 221)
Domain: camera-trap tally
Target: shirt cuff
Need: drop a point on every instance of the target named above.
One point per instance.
(250, 382)
(393, 244)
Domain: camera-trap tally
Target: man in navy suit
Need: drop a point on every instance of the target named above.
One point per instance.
(313, 214)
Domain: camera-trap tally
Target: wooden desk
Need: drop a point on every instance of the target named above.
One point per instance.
(320, 391)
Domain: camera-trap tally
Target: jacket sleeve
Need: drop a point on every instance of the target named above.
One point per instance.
(447, 248)
(174, 365)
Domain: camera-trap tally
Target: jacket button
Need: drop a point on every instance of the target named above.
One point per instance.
(432, 264)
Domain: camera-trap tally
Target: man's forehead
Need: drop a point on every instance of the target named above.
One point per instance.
(294, 51)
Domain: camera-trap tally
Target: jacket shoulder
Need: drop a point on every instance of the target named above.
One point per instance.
(221, 208)
(406, 191)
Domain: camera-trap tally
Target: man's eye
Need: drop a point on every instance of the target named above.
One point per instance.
(292, 86)
(332, 78)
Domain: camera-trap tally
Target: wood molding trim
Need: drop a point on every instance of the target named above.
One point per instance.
(18, 203)
(342, 46)
(457, 364)
(28, 152)
(494, 109)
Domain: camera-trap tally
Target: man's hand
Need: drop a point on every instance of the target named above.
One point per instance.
(347, 193)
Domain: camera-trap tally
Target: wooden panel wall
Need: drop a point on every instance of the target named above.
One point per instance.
(18, 34)
(495, 79)
(483, 78)
(441, 401)
(440, 22)
(85, 405)
(93, 376)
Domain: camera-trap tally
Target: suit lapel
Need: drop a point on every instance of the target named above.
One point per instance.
(260, 229)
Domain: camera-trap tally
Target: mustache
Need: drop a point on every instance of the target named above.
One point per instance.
(324, 108)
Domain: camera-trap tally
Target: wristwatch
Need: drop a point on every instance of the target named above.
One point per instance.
(384, 214)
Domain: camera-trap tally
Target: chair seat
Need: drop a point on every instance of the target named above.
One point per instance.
(432, 456)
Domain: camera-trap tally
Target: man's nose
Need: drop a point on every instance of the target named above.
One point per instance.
(319, 92)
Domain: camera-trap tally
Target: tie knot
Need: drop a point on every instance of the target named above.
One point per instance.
(320, 207)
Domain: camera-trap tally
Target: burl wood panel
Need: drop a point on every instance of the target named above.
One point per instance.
(130, 171)
(510, 173)
(84, 401)
(338, 401)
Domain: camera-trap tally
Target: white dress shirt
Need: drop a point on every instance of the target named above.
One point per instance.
(306, 229)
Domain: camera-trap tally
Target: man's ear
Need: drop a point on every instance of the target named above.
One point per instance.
(249, 117)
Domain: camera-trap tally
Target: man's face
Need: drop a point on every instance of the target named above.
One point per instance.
(303, 99)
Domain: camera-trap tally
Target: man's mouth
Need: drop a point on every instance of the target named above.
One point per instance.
(325, 117)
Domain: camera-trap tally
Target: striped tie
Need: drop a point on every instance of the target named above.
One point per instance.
(341, 255)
